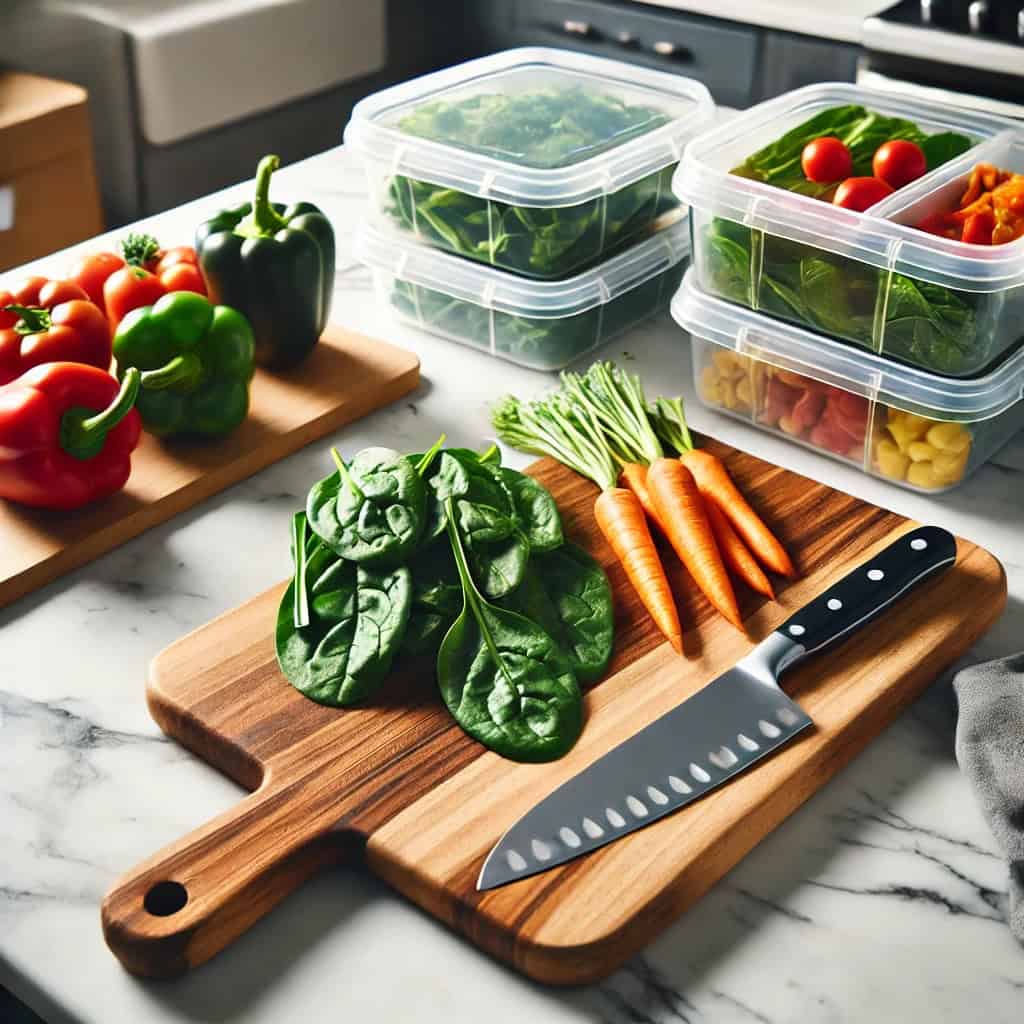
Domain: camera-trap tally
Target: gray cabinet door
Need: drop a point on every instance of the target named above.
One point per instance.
(789, 61)
(722, 55)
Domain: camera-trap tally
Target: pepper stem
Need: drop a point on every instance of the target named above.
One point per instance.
(264, 220)
(183, 370)
(34, 319)
(83, 432)
(138, 250)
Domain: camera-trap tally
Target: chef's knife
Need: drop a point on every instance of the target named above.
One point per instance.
(717, 733)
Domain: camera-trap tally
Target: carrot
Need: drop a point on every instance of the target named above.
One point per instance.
(634, 476)
(734, 552)
(621, 518)
(680, 507)
(571, 434)
(616, 400)
(716, 485)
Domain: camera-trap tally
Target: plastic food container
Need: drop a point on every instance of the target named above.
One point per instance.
(867, 278)
(535, 160)
(917, 429)
(541, 324)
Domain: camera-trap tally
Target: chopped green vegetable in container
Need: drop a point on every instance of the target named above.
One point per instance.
(536, 161)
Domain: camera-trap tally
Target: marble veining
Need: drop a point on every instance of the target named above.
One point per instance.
(879, 900)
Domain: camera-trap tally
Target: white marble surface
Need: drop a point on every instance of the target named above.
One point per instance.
(877, 901)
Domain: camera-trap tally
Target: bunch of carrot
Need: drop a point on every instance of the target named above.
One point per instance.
(601, 425)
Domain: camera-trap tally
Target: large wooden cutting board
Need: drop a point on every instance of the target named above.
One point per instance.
(398, 785)
(347, 376)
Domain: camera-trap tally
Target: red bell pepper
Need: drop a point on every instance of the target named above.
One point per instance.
(50, 321)
(67, 432)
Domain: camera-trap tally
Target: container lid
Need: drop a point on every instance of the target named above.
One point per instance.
(832, 362)
(508, 293)
(704, 181)
(532, 126)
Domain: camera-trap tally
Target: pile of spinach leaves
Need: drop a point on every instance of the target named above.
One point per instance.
(543, 128)
(541, 343)
(924, 324)
(446, 554)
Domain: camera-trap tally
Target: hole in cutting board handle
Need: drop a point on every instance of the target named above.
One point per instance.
(165, 899)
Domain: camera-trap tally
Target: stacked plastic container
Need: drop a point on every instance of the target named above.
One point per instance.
(521, 203)
(857, 334)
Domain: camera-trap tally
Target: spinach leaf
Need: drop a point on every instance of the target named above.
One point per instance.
(503, 678)
(544, 128)
(568, 595)
(371, 512)
(924, 324)
(943, 147)
(535, 509)
(436, 599)
(357, 619)
(499, 566)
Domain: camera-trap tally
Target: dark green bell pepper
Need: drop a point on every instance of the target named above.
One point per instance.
(274, 264)
(196, 361)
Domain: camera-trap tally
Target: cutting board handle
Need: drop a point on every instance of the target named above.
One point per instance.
(185, 904)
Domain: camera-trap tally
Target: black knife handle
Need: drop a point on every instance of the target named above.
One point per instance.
(867, 591)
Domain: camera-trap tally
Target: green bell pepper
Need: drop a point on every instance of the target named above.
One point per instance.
(196, 361)
(276, 266)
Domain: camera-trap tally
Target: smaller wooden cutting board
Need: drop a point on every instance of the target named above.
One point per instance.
(347, 376)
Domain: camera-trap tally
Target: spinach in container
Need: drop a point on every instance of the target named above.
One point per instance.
(535, 161)
(544, 325)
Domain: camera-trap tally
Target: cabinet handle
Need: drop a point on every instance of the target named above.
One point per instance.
(576, 28)
(6, 207)
(665, 48)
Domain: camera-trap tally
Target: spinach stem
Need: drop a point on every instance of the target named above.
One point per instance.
(428, 456)
(471, 595)
(300, 603)
(345, 475)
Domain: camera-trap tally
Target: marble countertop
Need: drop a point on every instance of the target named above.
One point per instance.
(878, 900)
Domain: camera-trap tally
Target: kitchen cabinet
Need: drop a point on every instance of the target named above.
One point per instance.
(48, 194)
(741, 64)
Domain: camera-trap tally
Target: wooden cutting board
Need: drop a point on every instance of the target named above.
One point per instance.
(347, 376)
(398, 785)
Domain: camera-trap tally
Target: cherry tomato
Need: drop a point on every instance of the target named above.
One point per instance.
(183, 277)
(978, 228)
(826, 159)
(129, 288)
(172, 257)
(91, 273)
(899, 162)
(860, 193)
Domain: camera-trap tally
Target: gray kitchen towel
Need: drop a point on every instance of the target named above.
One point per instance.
(990, 751)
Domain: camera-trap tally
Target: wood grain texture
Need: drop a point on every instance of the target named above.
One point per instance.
(397, 783)
(347, 376)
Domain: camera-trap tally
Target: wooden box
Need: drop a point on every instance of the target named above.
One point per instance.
(48, 193)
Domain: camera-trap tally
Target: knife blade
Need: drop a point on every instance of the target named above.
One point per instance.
(723, 729)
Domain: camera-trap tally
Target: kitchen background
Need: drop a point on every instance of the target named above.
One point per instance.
(183, 96)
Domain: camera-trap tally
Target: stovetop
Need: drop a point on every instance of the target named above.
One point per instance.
(992, 20)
